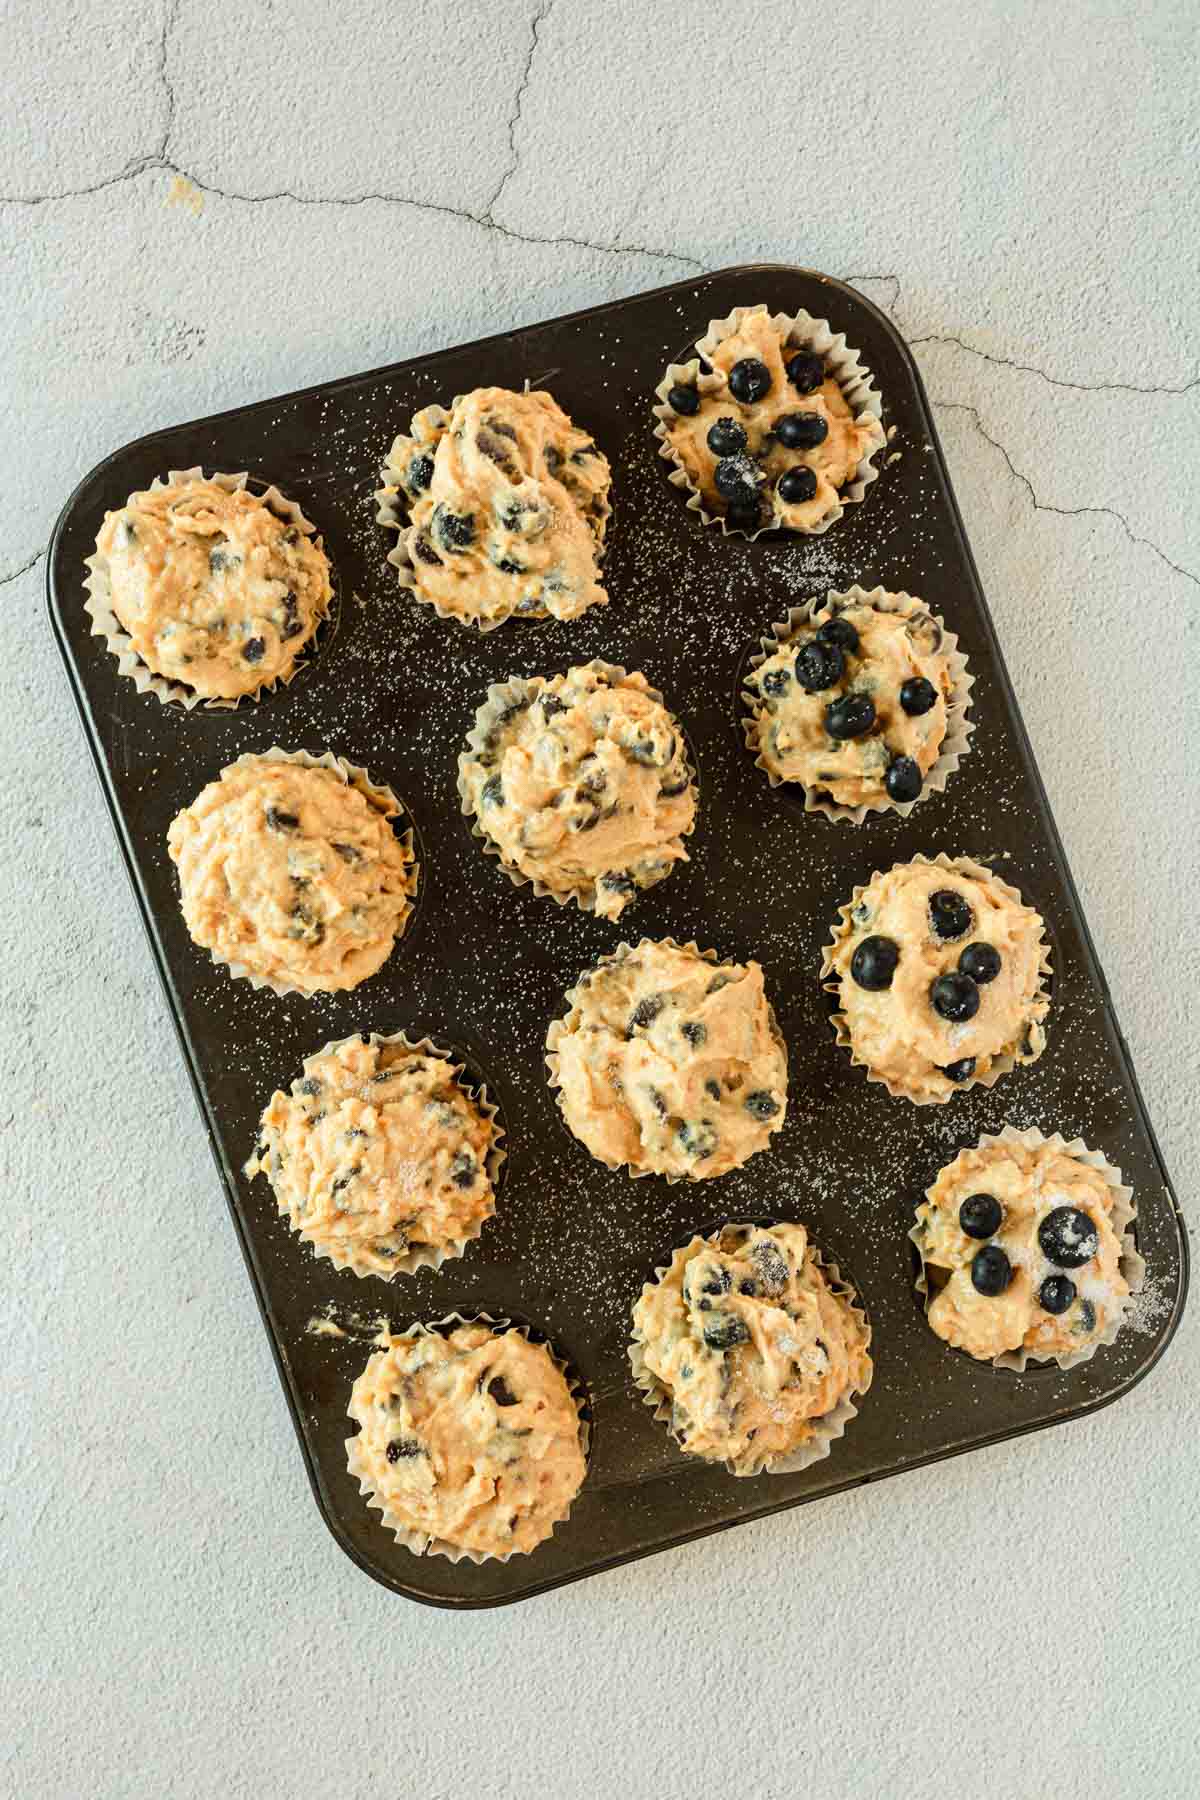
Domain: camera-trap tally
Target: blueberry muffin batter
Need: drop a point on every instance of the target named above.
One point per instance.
(938, 971)
(581, 782)
(1019, 1251)
(293, 874)
(854, 705)
(215, 590)
(376, 1154)
(508, 503)
(764, 432)
(747, 1339)
(470, 1441)
(669, 1062)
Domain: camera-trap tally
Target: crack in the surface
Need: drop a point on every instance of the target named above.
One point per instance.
(1064, 512)
(514, 117)
(894, 302)
(24, 569)
(1082, 387)
(169, 16)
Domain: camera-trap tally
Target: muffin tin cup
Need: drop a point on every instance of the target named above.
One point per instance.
(825, 1430)
(106, 624)
(954, 746)
(346, 1254)
(384, 801)
(1003, 1062)
(419, 1542)
(1121, 1217)
(800, 331)
(523, 689)
(557, 1030)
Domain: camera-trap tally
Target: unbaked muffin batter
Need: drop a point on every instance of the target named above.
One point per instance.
(939, 973)
(671, 1063)
(1020, 1252)
(584, 788)
(215, 590)
(471, 1440)
(854, 705)
(294, 873)
(751, 1344)
(508, 504)
(376, 1152)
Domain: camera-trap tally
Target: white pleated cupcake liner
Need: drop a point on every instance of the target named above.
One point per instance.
(350, 1254)
(106, 624)
(799, 331)
(384, 800)
(420, 1542)
(558, 1029)
(1003, 1062)
(955, 744)
(826, 1429)
(524, 690)
(1121, 1216)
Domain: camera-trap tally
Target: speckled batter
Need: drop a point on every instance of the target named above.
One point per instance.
(751, 1344)
(293, 873)
(1028, 1186)
(670, 1063)
(471, 1440)
(215, 590)
(508, 503)
(586, 789)
(895, 1028)
(895, 662)
(741, 480)
(377, 1152)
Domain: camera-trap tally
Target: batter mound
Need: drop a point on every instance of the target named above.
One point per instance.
(293, 873)
(471, 1440)
(583, 786)
(939, 973)
(750, 1343)
(670, 1063)
(768, 438)
(1020, 1252)
(215, 590)
(854, 706)
(508, 504)
(377, 1152)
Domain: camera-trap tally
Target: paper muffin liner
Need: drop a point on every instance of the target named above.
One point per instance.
(1003, 1063)
(557, 1029)
(518, 688)
(826, 1429)
(955, 744)
(799, 331)
(383, 799)
(425, 1256)
(106, 625)
(419, 1542)
(1132, 1264)
(393, 512)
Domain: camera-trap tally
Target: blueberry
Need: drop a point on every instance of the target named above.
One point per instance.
(310, 1085)
(698, 1140)
(1056, 1294)
(841, 632)
(748, 1286)
(949, 914)
(806, 373)
(719, 1282)
(903, 780)
(991, 1271)
(695, 1033)
(551, 706)
(980, 1215)
(645, 1012)
(801, 431)
(738, 478)
(954, 997)
(726, 438)
(492, 792)
(917, 696)
(874, 963)
(962, 1070)
(776, 682)
(252, 650)
(1087, 1318)
(617, 881)
(349, 853)
(419, 474)
(749, 380)
(507, 566)
(222, 557)
(672, 790)
(403, 1447)
(279, 820)
(771, 1263)
(453, 531)
(761, 1105)
(713, 1089)
(796, 486)
(423, 549)
(850, 717)
(499, 1391)
(725, 1331)
(293, 624)
(1068, 1237)
(684, 400)
(819, 665)
(462, 1169)
(981, 962)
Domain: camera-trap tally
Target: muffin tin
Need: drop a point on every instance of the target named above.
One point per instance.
(484, 966)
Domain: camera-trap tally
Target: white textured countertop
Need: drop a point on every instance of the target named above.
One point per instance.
(1016, 185)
